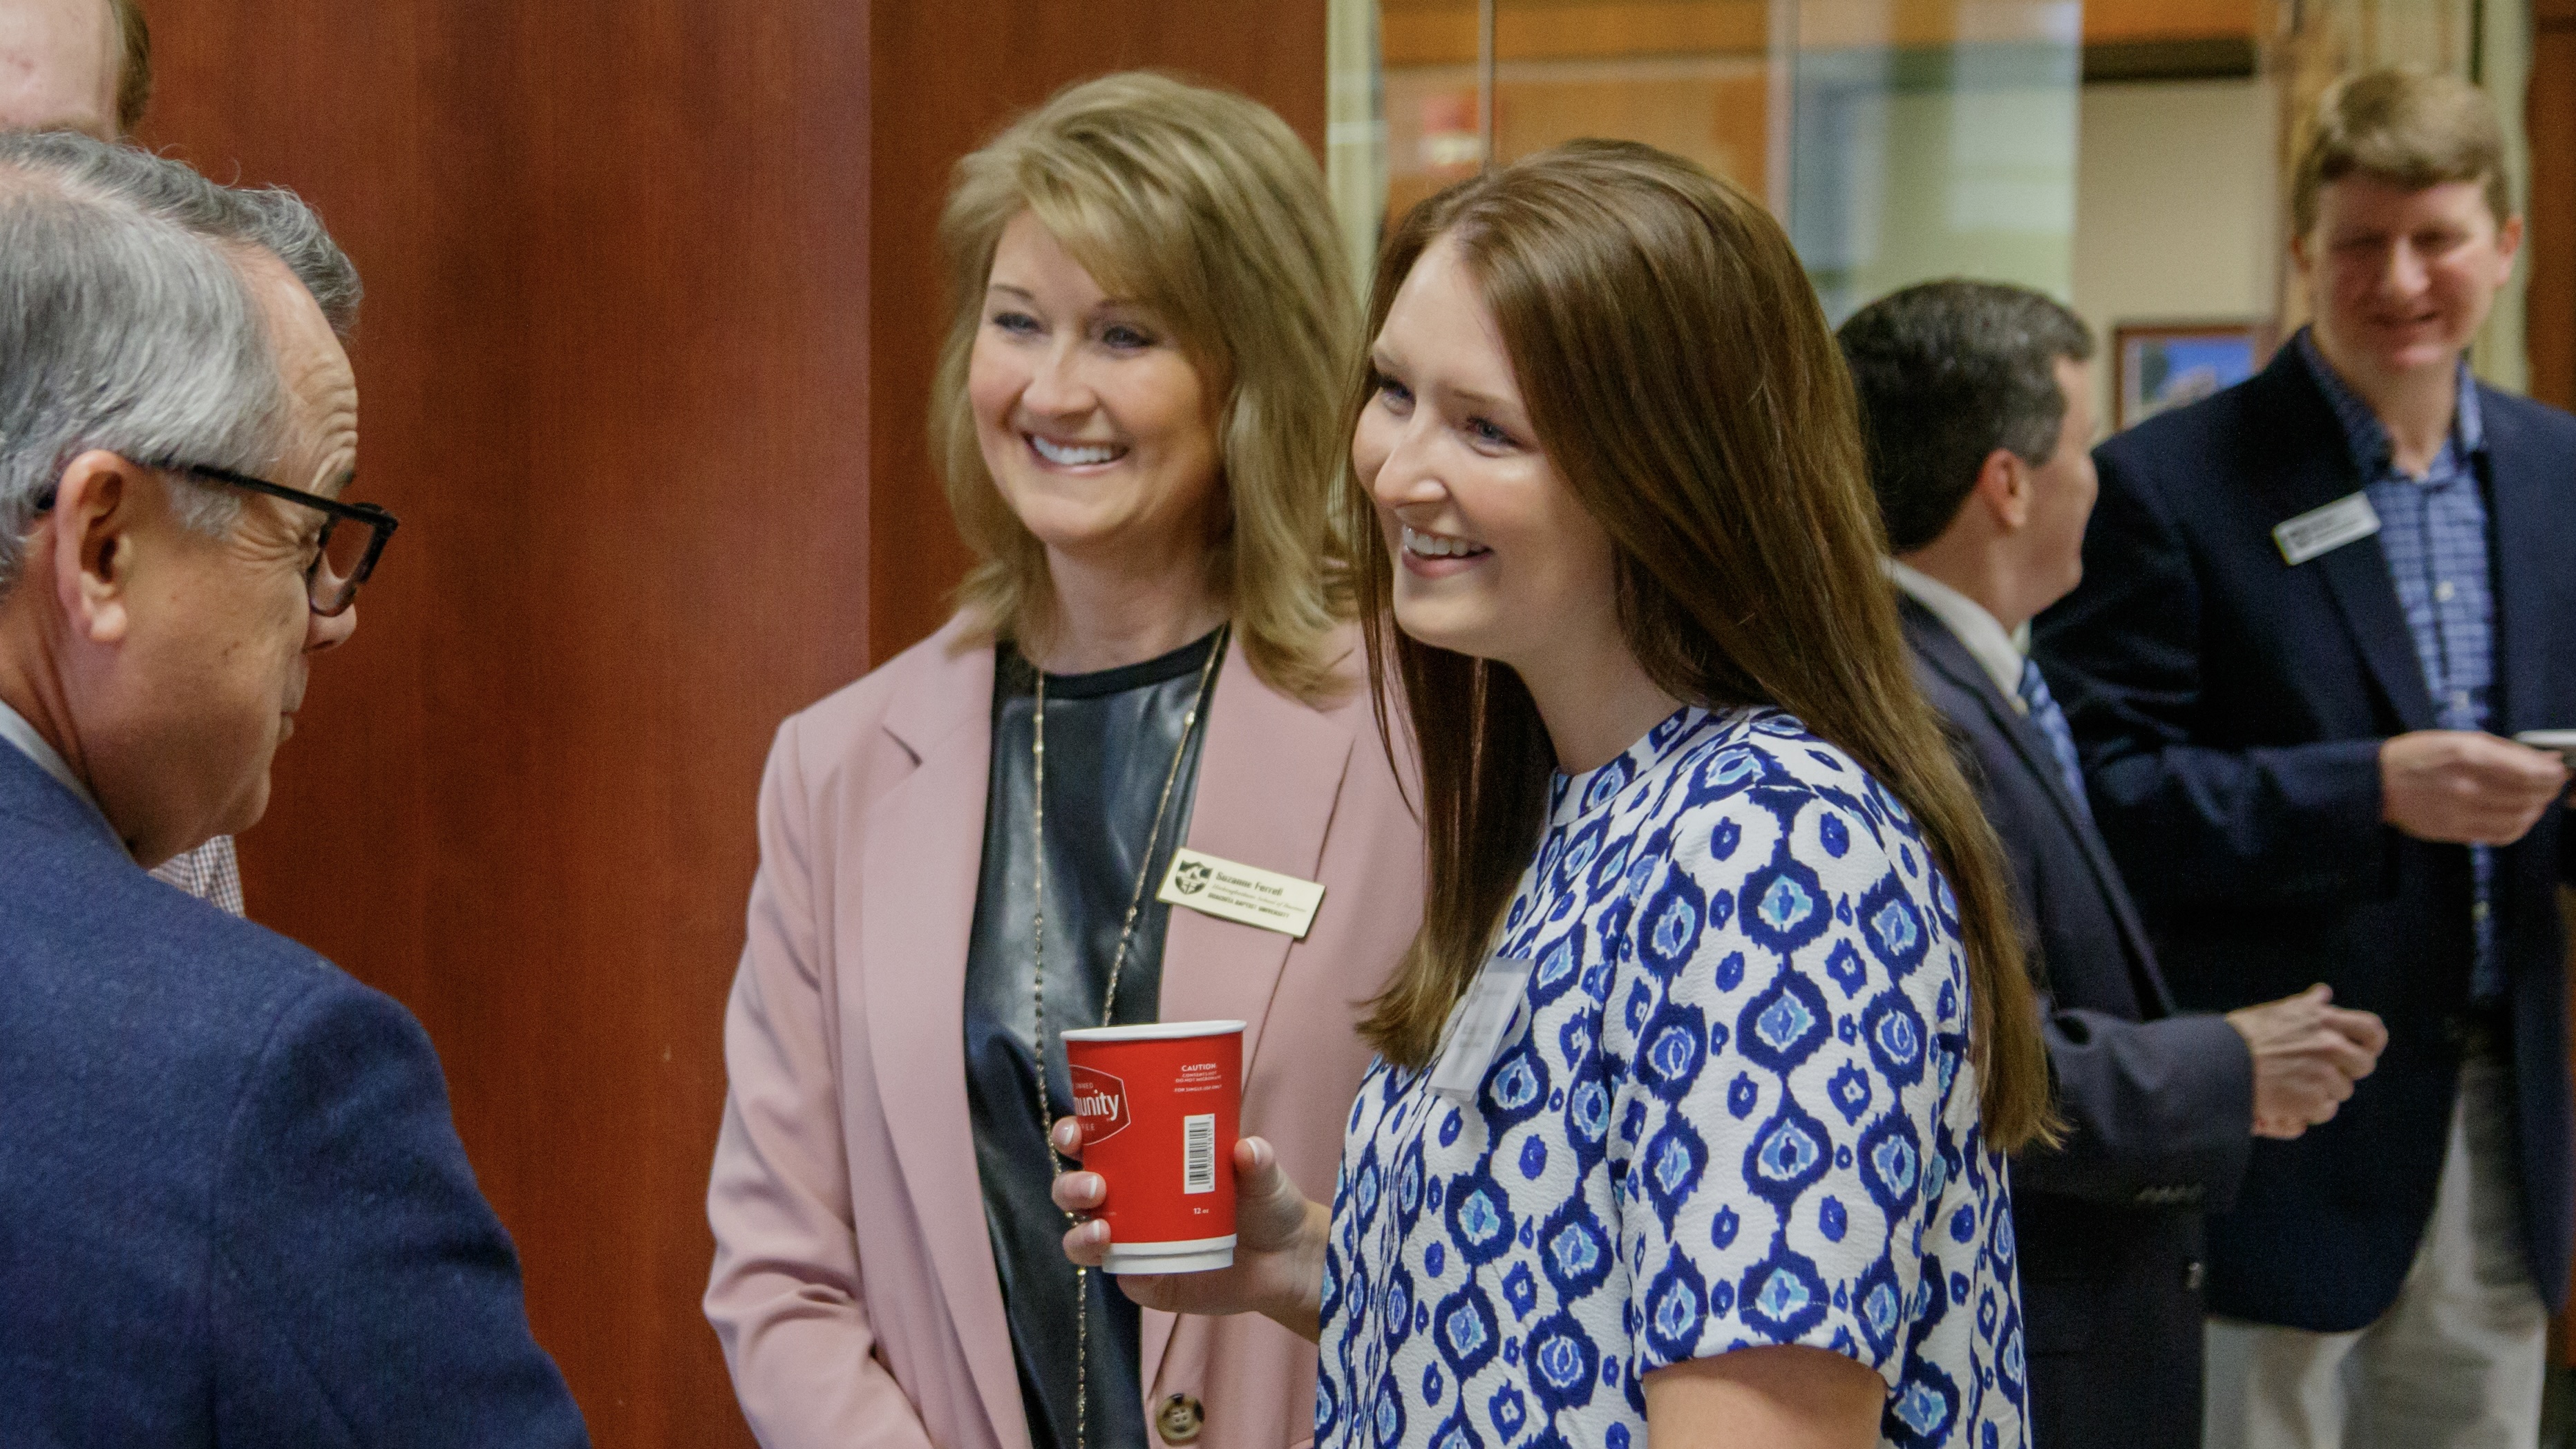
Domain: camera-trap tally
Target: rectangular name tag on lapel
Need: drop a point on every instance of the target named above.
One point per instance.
(1245, 894)
(1478, 1027)
(2348, 519)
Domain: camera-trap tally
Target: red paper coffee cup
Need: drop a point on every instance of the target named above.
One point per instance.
(1159, 1106)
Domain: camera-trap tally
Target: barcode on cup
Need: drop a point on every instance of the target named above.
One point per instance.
(1198, 1153)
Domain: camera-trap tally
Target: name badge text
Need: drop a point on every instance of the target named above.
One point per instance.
(2348, 519)
(1244, 894)
(1477, 1028)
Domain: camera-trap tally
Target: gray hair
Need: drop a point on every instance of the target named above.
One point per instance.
(1947, 372)
(126, 323)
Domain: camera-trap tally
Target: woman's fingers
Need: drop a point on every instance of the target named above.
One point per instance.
(1087, 1244)
(1256, 1170)
(1080, 1192)
(1268, 1207)
(1149, 1290)
(1076, 1192)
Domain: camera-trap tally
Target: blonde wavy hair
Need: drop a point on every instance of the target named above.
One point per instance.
(1204, 208)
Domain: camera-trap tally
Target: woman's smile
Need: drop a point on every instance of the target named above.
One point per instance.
(1067, 456)
(1436, 556)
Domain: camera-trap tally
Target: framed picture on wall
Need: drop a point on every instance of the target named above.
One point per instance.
(2160, 365)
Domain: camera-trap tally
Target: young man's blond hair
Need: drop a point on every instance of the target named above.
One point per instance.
(2407, 127)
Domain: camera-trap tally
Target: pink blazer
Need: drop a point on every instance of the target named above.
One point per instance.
(854, 1286)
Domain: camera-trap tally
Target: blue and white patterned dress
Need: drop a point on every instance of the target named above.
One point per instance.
(1736, 1109)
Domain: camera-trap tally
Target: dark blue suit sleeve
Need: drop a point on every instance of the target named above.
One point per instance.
(2157, 1112)
(363, 1293)
(2190, 821)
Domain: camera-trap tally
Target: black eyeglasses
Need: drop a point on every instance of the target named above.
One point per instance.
(342, 557)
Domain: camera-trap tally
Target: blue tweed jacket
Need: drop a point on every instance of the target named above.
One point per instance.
(233, 1206)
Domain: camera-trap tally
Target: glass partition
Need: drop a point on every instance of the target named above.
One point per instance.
(1934, 138)
(1900, 139)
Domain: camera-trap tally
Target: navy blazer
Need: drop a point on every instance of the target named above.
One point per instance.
(233, 1206)
(2159, 1107)
(2230, 709)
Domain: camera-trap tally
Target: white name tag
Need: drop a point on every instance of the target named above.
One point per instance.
(2323, 530)
(1245, 894)
(1478, 1026)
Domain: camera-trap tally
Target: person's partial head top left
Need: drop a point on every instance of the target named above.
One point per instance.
(73, 65)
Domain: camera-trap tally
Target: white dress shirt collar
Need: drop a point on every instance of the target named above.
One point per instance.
(2000, 654)
(17, 731)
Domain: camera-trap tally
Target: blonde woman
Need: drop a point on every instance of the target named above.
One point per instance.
(1133, 410)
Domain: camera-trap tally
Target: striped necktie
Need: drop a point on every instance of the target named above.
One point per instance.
(2061, 740)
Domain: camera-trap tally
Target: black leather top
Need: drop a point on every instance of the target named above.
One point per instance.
(1110, 738)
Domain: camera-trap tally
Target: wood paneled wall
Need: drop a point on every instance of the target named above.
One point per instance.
(649, 327)
(2550, 212)
(613, 377)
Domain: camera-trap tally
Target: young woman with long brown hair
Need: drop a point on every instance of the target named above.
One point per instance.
(1694, 1090)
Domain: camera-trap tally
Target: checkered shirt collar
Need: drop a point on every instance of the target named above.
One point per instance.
(2362, 432)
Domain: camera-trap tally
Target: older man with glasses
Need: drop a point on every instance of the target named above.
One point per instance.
(233, 1206)
(86, 66)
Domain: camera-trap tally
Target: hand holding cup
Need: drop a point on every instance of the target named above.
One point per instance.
(1278, 1267)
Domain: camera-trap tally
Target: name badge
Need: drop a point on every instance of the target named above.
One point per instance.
(1244, 894)
(2348, 519)
(1478, 1026)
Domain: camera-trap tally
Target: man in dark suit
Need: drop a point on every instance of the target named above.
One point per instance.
(2314, 609)
(233, 1207)
(1978, 408)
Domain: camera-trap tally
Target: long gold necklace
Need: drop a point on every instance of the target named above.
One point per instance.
(1109, 999)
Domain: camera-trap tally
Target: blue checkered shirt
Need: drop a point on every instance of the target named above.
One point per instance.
(2433, 530)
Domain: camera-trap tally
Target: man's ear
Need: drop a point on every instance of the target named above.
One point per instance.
(2003, 486)
(2509, 242)
(97, 503)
